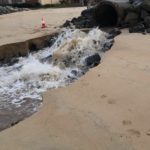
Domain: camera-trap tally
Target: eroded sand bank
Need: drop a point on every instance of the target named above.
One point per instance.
(107, 109)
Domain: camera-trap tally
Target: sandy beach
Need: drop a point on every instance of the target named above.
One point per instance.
(106, 109)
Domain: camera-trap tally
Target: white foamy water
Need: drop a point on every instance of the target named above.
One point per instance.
(34, 74)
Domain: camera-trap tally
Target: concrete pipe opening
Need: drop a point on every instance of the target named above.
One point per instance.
(106, 14)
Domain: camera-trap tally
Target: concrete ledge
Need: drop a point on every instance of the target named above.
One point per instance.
(23, 48)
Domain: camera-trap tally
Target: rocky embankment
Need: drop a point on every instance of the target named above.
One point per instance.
(9, 9)
(136, 16)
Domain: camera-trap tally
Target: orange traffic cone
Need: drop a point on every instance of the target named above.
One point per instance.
(43, 23)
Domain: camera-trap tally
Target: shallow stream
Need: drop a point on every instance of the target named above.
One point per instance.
(22, 84)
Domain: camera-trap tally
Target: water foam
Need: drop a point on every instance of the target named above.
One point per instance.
(34, 74)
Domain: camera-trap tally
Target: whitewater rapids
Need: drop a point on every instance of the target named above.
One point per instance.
(47, 68)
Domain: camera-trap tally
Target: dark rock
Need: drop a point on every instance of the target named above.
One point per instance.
(89, 23)
(74, 20)
(144, 14)
(123, 24)
(132, 18)
(139, 28)
(88, 13)
(13, 61)
(74, 72)
(46, 59)
(113, 33)
(80, 24)
(83, 21)
(148, 30)
(136, 3)
(67, 23)
(93, 60)
(80, 18)
(9, 62)
(107, 46)
(147, 22)
(51, 41)
(146, 5)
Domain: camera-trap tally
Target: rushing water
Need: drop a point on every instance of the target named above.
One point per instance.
(52, 67)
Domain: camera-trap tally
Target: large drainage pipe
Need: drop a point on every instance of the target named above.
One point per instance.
(110, 13)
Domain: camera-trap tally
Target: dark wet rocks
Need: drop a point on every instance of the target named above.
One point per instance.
(139, 28)
(9, 9)
(148, 30)
(9, 62)
(84, 21)
(113, 33)
(107, 46)
(46, 59)
(136, 3)
(93, 60)
(136, 17)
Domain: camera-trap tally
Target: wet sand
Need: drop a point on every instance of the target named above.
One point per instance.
(106, 109)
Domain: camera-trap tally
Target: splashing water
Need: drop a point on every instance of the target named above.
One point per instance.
(43, 70)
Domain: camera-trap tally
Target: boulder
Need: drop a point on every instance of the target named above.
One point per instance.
(93, 60)
(146, 5)
(88, 13)
(67, 23)
(83, 21)
(136, 3)
(147, 22)
(132, 18)
(113, 33)
(139, 28)
(107, 46)
(144, 14)
(148, 30)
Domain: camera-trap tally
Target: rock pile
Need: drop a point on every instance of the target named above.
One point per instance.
(9, 9)
(136, 16)
(86, 20)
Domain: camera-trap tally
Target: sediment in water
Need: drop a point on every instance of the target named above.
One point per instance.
(56, 66)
